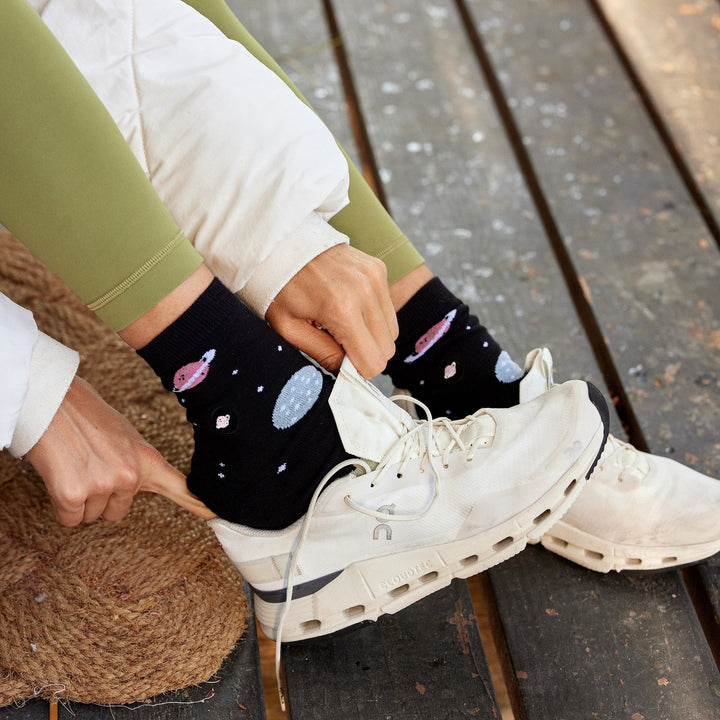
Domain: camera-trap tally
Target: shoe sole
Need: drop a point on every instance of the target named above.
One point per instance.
(600, 555)
(387, 584)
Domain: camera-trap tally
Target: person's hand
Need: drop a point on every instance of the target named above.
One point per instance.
(93, 462)
(339, 304)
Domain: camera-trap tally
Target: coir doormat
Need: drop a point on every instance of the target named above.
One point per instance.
(109, 612)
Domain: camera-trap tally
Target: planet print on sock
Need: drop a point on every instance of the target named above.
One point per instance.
(506, 369)
(426, 341)
(190, 375)
(222, 421)
(297, 397)
(450, 370)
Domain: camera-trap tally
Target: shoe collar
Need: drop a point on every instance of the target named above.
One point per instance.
(538, 374)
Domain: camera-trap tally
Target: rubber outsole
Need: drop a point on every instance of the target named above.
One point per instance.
(600, 555)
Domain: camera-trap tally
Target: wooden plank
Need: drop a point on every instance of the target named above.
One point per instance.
(450, 177)
(431, 188)
(586, 132)
(586, 645)
(424, 662)
(298, 39)
(31, 710)
(236, 693)
(630, 225)
(304, 664)
(674, 47)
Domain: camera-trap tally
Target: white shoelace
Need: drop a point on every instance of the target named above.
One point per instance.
(626, 457)
(431, 444)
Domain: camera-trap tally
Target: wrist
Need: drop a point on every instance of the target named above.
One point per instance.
(149, 325)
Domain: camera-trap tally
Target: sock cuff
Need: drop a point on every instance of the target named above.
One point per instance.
(428, 306)
(432, 300)
(212, 313)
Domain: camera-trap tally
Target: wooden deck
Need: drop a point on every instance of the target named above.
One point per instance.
(557, 163)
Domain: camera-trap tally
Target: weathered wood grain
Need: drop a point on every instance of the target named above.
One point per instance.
(674, 48)
(31, 710)
(630, 227)
(585, 645)
(424, 662)
(450, 176)
(421, 156)
(296, 35)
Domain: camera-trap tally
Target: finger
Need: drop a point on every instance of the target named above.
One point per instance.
(94, 507)
(318, 344)
(385, 301)
(379, 327)
(171, 483)
(70, 516)
(117, 506)
(362, 349)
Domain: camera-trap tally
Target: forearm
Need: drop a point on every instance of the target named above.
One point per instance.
(70, 188)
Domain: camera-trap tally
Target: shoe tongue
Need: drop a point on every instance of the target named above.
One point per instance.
(538, 374)
(368, 423)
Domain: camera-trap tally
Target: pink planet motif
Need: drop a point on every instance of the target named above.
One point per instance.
(190, 375)
(427, 340)
(222, 421)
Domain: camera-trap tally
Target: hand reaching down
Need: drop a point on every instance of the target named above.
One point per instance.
(93, 462)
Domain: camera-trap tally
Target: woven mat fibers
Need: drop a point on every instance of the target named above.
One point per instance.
(109, 612)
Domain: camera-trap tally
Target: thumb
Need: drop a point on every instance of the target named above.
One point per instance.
(318, 344)
(165, 480)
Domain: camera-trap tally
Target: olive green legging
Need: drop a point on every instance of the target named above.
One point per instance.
(73, 193)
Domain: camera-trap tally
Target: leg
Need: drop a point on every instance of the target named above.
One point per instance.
(365, 221)
(372, 230)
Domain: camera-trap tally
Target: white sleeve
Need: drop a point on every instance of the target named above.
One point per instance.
(313, 236)
(239, 161)
(19, 336)
(35, 373)
(52, 369)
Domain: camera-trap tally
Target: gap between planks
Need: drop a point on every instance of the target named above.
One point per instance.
(481, 606)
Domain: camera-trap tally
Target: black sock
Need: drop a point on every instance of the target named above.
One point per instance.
(264, 433)
(447, 359)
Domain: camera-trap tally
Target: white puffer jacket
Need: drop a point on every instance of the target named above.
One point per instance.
(247, 171)
(35, 373)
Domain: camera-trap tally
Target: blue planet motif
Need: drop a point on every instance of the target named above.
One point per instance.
(506, 369)
(296, 398)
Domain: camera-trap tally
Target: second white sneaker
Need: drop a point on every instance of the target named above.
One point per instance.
(426, 502)
(638, 511)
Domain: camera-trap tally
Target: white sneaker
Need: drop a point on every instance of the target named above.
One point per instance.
(638, 511)
(429, 501)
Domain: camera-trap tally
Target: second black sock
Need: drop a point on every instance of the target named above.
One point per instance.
(447, 359)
